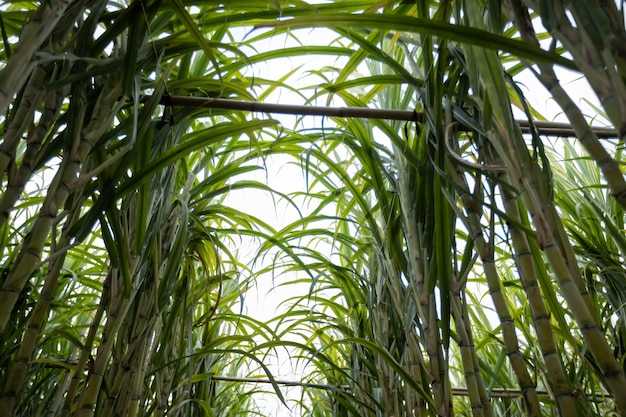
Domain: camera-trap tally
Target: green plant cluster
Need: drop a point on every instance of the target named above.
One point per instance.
(454, 265)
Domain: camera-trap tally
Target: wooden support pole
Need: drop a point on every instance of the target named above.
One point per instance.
(544, 128)
(460, 391)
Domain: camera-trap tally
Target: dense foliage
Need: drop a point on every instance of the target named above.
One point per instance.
(464, 262)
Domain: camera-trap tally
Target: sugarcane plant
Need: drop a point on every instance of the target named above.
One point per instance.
(502, 194)
(119, 281)
(451, 264)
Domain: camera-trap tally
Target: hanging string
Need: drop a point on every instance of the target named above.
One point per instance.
(166, 100)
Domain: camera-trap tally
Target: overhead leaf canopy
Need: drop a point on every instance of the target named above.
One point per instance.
(435, 244)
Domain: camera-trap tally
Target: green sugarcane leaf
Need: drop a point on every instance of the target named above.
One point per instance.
(195, 32)
(463, 34)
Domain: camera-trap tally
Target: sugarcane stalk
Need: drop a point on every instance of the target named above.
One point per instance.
(52, 107)
(22, 61)
(28, 345)
(81, 138)
(485, 399)
(593, 335)
(137, 390)
(141, 326)
(541, 318)
(22, 117)
(611, 169)
(595, 55)
(165, 379)
(138, 405)
(526, 177)
(424, 302)
(507, 324)
(32, 248)
(472, 375)
(120, 306)
(85, 354)
(534, 194)
(62, 386)
(58, 193)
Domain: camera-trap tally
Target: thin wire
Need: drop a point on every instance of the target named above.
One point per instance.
(158, 70)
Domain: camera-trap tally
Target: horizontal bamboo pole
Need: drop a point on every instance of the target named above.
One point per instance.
(459, 391)
(280, 382)
(544, 128)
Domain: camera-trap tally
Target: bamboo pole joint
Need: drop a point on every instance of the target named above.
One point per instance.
(553, 129)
